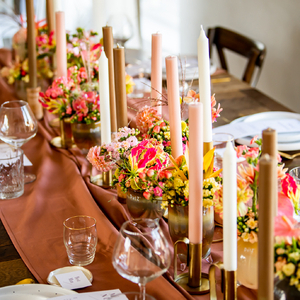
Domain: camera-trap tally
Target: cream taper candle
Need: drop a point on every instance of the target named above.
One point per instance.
(104, 99)
(204, 84)
(229, 208)
(174, 105)
(156, 70)
(195, 173)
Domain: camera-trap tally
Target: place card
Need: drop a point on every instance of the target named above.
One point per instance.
(242, 129)
(102, 295)
(73, 280)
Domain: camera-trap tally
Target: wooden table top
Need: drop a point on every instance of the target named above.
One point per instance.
(236, 98)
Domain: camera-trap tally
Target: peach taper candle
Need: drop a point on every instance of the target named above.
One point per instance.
(174, 105)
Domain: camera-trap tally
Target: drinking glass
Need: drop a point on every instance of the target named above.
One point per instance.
(141, 252)
(17, 126)
(11, 172)
(122, 28)
(80, 239)
(219, 142)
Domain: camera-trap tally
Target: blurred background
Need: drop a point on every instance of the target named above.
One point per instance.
(276, 23)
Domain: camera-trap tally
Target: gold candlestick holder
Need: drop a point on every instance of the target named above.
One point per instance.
(33, 101)
(194, 282)
(103, 179)
(207, 146)
(228, 282)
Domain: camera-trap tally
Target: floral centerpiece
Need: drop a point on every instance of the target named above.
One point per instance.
(65, 98)
(45, 48)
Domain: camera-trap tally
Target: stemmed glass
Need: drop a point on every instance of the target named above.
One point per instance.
(122, 28)
(141, 252)
(17, 126)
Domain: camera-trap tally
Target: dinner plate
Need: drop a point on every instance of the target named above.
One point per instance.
(32, 292)
(286, 141)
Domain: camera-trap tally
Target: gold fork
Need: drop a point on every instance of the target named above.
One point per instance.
(288, 156)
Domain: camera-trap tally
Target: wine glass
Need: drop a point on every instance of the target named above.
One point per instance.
(17, 126)
(141, 252)
(122, 28)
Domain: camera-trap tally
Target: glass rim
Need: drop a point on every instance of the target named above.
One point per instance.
(129, 293)
(20, 152)
(79, 216)
(225, 133)
(134, 222)
(23, 102)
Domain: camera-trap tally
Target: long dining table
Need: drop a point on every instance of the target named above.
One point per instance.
(31, 227)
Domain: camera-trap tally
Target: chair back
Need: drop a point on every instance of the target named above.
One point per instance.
(255, 51)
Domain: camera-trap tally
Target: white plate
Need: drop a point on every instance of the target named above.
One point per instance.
(286, 141)
(52, 279)
(32, 292)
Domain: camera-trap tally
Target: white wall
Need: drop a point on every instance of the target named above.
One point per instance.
(274, 22)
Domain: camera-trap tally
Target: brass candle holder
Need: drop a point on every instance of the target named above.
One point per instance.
(207, 146)
(228, 282)
(194, 282)
(33, 101)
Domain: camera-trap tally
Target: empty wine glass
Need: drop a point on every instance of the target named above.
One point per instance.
(141, 252)
(17, 126)
(122, 28)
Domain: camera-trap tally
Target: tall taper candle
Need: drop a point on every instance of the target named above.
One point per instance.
(174, 105)
(156, 70)
(266, 195)
(31, 45)
(61, 44)
(204, 84)
(229, 209)
(108, 48)
(104, 99)
(269, 146)
(195, 173)
(120, 85)
(50, 15)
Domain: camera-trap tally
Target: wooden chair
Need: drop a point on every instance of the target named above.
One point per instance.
(253, 50)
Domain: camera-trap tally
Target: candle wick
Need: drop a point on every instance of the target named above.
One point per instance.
(106, 24)
(118, 46)
(201, 28)
(102, 48)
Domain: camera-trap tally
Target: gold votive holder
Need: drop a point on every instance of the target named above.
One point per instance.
(207, 146)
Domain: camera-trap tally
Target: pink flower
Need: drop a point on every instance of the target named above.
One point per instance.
(288, 185)
(156, 129)
(79, 105)
(240, 149)
(142, 176)
(150, 172)
(147, 195)
(253, 139)
(252, 153)
(158, 192)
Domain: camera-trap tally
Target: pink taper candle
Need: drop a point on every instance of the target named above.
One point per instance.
(174, 105)
(196, 173)
(61, 44)
(156, 70)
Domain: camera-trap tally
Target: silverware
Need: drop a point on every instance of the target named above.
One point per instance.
(288, 156)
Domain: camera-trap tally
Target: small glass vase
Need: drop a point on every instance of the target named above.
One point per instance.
(284, 291)
(86, 135)
(140, 207)
(178, 220)
(247, 264)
